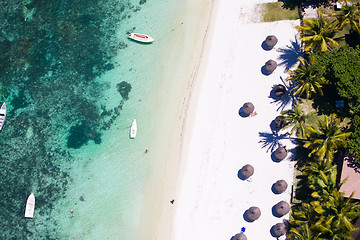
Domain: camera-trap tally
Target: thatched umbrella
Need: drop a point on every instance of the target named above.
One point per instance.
(280, 186)
(282, 208)
(279, 90)
(239, 236)
(248, 108)
(279, 229)
(279, 122)
(253, 213)
(270, 66)
(271, 41)
(280, 153)
(247, 171)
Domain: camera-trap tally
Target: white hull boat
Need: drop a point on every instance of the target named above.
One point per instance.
(30, 206)
(141, 37)
(2, 115)
(133, 129)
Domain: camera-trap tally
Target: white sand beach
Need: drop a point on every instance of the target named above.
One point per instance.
(211, 199)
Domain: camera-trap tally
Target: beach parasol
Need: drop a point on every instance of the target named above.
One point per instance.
(280, 186)
(247, 171)
(248, 108)
(279, 90)
(270, 66)
(279, 122)
(239, 236)
(253, 213)
(279, 229)
(280, 153)
(282, 208)
(271, 41)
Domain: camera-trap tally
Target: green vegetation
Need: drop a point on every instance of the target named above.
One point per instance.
(274, 12)
(309, 81)
(327, 73)
(317, 34)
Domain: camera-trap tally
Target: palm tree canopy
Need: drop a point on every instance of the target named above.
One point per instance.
(326, 138)
(349, 14)
(317, 34)
(296, 119)
(309, 81)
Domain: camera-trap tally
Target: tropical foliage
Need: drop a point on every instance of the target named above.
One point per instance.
(308, 79)
(324, 213)
(291, 4)
(296, 118)
(342, 68)
(326, 138)
(317, 34)
(349, 14)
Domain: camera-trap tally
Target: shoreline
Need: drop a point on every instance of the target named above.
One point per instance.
(210, 198)
(165, 152)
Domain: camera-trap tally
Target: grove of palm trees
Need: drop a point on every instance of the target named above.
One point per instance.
(325, 122)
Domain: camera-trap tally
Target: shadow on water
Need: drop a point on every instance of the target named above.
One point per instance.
(289, 55)
(50, 65)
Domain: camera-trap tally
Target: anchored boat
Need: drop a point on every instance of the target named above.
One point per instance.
(141, 37)
(30, 205)
(2, 115)
(133, 129)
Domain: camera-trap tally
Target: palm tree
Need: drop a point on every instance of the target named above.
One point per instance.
(321, 180)
(302, 232)
(296, 118)
(330, 219)
(309, 81)
(349, 14)
(317, 34)
(326, 138)
(339, 213)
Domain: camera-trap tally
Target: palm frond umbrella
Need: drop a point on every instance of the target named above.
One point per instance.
(280, 153)
(248, 108)
(282, 208)
(253, 213)
(271, 41)
(279, 229)
(279, 122)
(270, 66)
(239, 236)
(247, 171)
(280, 186)
(279, 90)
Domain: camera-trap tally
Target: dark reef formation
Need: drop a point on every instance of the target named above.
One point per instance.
(51, 55)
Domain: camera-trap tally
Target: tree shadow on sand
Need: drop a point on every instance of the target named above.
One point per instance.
(289, 55)
(287, 98)
(271, 141)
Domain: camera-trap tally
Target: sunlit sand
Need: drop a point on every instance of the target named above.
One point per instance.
(212, 198)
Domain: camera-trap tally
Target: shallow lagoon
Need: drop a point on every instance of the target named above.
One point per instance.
(66, 67)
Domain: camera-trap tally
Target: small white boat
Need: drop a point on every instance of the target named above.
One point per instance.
(30, 205)
(133, 129)
(141, 37)
(2, 115)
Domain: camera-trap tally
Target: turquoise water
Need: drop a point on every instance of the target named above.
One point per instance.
(73, 83)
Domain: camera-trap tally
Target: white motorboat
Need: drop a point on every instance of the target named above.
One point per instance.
(133, 129)
(141, 37)
(30, 206)
(2, 115)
